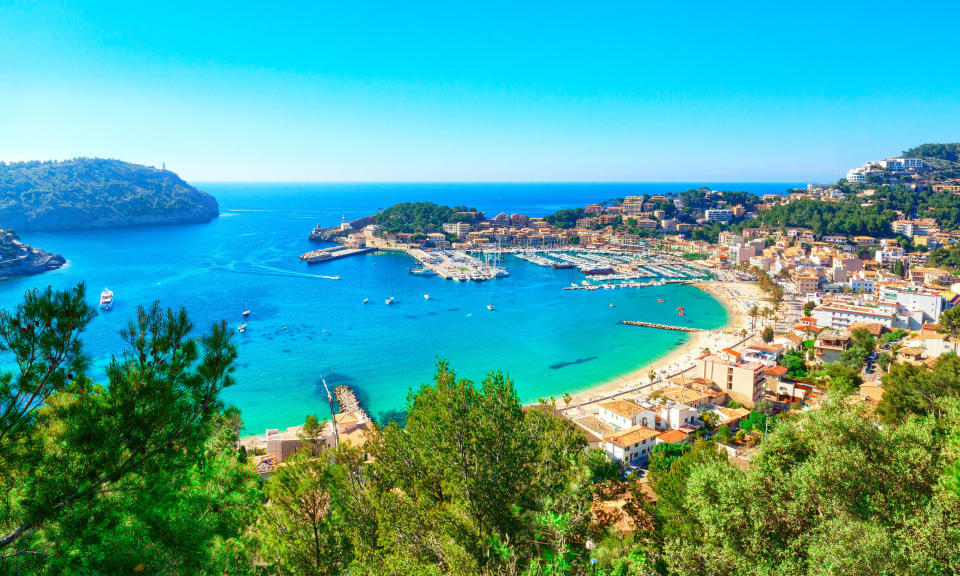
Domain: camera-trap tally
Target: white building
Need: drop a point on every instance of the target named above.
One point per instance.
(718, 215)
(631, 444)
(624, 414)
(458, 228)
(675, 415)
(840, 316)
(861, 285)
(856, 176)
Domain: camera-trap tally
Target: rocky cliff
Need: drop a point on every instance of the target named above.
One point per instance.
(19, 259)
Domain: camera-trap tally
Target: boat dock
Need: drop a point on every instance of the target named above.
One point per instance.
(662, 326)
(456, 265)
(332, 253)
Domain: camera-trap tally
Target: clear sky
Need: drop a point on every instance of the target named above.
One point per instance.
(479, 91)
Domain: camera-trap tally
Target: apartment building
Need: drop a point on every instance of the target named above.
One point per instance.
(741, 380)
(839, 315)
(718, 215)
(459, 228)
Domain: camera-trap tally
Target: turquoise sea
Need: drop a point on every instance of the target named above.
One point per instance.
(303, 326)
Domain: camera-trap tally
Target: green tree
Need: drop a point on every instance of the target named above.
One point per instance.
(602, 466)
(882, 496)
(808, 308)
(303, 529)
(767, 334)
(950, 321)
(473, 483)
(120, 477)
(910, 389)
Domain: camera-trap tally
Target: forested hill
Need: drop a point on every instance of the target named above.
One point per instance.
(96, 193)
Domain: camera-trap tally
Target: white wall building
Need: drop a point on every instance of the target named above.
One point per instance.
(624, 414)
(631, 444)
(718, 215)
(676, 415)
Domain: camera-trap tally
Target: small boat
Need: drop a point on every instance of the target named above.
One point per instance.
(245, 313)
(426, 296)
(422, 271)
(611, 305)
(660, 300)
(489, 306)
(242, 328)
(365, 300)
(388, 301)
(106, 299)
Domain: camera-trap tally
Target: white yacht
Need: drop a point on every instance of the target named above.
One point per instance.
(106, 299)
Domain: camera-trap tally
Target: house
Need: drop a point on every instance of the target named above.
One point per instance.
(830, 345)
(624, 414)
(672, 437)
(630, 444)
(910, 355)
(732, 416)
(675, 415)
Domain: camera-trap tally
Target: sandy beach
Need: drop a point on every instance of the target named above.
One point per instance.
(736, 297)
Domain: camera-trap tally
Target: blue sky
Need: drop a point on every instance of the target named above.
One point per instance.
(491, 91)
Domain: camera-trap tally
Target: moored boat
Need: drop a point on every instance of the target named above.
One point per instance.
(106, 299)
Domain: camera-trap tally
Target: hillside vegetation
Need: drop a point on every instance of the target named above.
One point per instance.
(421, 217)
(96, 193)
(949, 152)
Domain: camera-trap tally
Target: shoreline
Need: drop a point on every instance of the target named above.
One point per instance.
(736, 299)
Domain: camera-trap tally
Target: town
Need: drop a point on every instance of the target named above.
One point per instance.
(836, 308)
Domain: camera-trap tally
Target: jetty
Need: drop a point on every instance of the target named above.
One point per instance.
(347, 400)
(332, 253)
(662, 326)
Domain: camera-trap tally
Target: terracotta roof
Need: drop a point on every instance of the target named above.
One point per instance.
(622, 408)
(734, 413)
(630, 436)
(672, 436)
(776, 370)
(684, 395)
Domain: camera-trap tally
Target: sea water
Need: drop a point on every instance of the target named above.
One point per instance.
(304, 324)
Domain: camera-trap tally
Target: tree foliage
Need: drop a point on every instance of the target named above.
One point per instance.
(94, 193)
(115, 477)
(421, 217)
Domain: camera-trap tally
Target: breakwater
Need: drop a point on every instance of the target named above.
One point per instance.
(347, 400)
(662, 326)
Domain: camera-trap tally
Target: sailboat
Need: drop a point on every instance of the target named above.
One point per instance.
(489, 305)
(389, 300)
(426, 296)
(246, 311)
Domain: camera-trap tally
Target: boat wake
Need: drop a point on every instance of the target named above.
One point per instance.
(277, 273)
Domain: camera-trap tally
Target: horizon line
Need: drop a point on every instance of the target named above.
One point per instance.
(442, 182)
